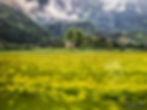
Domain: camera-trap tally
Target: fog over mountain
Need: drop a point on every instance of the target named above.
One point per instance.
(105, 14)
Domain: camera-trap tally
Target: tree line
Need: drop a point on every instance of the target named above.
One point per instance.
(76, 38)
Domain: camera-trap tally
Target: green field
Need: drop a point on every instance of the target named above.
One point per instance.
(63, 80)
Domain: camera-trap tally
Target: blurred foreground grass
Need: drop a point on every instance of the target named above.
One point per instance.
(73, 81)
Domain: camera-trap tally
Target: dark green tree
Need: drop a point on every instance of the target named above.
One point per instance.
(78, 38)
(74, 38)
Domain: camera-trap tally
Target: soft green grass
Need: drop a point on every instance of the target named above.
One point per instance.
(63, 50)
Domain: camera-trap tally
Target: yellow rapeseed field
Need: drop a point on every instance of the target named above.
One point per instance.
(73, 81)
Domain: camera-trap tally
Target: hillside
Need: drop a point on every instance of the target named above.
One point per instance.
(112, 15)
(32, 22)
(17, 28)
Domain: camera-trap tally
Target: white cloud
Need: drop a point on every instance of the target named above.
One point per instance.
(27, 6)
(116, 5)
(69, 12)
(53, 10)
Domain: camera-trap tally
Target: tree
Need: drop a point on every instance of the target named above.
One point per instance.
(69, 39)
(78, 38)
(73, 38)
(69, 35)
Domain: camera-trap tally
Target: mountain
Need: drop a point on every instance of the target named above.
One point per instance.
(106, 17)
(17, 28)
(112, 15)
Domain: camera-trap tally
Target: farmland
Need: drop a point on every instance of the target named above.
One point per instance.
(73, 81)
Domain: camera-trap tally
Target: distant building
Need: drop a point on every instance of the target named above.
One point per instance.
(69, 45)
(124, 41)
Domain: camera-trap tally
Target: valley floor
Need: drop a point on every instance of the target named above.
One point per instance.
(73, 80)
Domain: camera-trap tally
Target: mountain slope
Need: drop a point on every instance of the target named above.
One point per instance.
(16, 27)
(109, 17)
(112, 15)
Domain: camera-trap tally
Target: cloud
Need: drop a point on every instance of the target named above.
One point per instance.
(54, 10)
(117, 5)
(66, 9)
(9, 2)
(47, 9)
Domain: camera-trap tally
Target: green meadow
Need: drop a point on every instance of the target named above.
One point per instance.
(73, 80)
